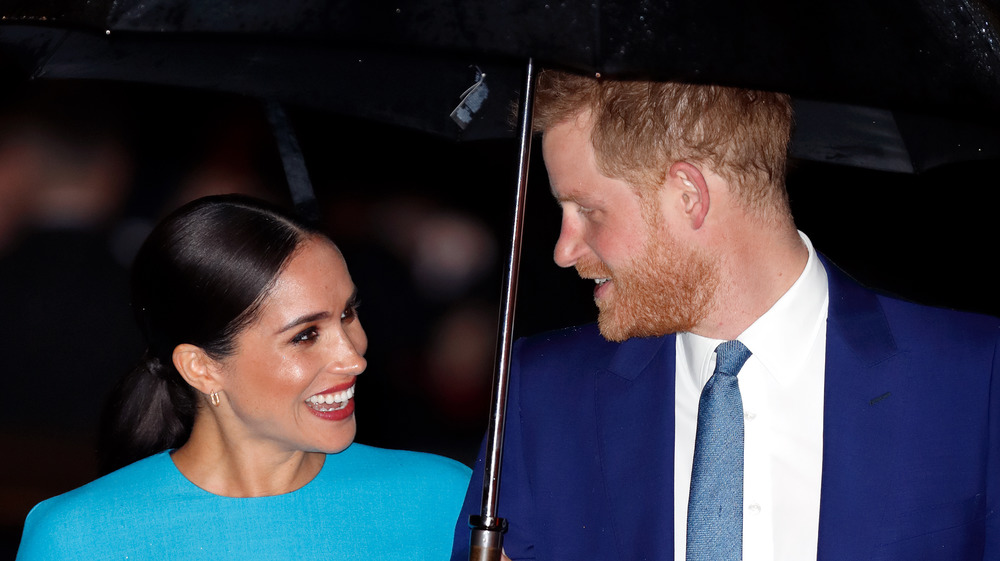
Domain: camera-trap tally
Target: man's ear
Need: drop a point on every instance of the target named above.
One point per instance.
(688, 180)
(197, 368)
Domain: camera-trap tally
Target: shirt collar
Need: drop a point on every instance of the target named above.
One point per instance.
(780, 339)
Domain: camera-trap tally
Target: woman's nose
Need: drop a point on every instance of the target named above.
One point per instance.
(349, 351)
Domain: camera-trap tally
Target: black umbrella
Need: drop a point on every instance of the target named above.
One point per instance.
(935, 57)
(411, 64)
(897, 53)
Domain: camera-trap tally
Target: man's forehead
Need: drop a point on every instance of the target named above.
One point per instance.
(570, 159)
(569, 138)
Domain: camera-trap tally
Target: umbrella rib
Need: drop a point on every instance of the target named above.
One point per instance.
(296, 173)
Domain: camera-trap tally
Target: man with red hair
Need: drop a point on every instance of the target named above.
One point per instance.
(739, 397)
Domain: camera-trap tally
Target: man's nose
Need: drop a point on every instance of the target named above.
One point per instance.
(570, 246)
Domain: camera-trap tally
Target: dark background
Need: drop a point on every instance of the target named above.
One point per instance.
(424, 224)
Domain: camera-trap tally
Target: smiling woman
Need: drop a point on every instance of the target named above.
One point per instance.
(238, 422)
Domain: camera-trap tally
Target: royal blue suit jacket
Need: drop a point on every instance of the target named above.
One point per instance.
(911, 440)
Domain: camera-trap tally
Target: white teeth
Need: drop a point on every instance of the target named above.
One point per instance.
(601, 281)
(339, 398)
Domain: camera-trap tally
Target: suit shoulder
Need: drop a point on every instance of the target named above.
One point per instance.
(570, 341)
(862, 313)
(569, 353)
(941, 323)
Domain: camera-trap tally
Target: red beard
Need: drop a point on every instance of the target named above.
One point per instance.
(662, 291)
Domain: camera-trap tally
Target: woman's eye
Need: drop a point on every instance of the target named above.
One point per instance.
(350, 312)
(305, 336)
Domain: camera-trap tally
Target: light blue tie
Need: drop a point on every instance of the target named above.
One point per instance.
(715, 506)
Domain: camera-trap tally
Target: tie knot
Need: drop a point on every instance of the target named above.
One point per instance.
(730, 357)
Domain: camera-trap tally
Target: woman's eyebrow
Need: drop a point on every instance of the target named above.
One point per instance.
(303, 319)
(353, 300)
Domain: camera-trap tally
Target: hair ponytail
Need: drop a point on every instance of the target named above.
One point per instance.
(150, 410)
(199, 279)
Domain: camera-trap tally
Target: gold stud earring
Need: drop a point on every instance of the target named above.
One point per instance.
(214, 398)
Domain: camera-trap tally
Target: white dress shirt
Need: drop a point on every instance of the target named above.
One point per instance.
(782, 389)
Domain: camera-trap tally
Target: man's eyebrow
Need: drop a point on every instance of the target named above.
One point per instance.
(564, 198)
(583, 202)
(303, 319)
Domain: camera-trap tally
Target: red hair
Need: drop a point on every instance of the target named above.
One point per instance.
(641, 128)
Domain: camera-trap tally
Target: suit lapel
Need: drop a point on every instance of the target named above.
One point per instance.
(635, 419)
(860, 350)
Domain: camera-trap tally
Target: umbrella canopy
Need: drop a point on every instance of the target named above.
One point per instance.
(355, 81)
(893, 53)
(936, 57)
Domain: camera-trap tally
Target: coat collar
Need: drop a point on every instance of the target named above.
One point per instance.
(856, 316)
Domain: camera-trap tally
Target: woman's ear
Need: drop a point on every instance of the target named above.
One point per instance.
(197, 368)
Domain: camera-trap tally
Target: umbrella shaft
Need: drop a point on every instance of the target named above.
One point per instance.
(494, 443)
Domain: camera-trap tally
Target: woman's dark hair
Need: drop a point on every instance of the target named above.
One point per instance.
(199, 278)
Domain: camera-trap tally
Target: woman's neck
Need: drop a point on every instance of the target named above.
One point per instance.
(242, 468)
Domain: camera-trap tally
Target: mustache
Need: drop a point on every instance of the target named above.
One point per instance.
(592, 268)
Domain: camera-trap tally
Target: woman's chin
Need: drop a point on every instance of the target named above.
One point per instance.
(334, 443)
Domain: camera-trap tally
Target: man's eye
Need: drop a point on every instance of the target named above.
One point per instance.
(307, 335)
